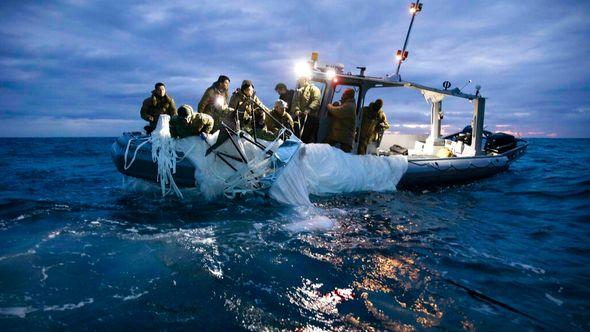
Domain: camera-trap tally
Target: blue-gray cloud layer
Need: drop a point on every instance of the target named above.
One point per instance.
(82, 68)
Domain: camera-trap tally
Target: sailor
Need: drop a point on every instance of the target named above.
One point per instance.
(187, 123)
(215, 102)
(279, 113)
(251, 110)
(382, 123)
(343, 122)
(373, 124)
(286, 95)
(306, 106)
(155, 105)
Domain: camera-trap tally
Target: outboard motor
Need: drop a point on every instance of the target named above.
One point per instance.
(465, 135)
(500, 143)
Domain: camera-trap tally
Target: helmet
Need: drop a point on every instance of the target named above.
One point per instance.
(185, 111)
(246, 84)
(282, 103)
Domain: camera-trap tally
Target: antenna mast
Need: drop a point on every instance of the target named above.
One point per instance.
(402, 54)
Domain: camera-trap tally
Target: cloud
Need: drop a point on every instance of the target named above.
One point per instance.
(69, 60)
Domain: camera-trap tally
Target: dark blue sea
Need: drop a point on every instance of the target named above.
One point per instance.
(80, 250)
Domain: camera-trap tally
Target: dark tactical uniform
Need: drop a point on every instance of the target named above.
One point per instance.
(155, 106)
(286, 120)
(372, 123)
(249, 110)
(308, 98)
(207, 106)
(192, 125)
(288, 98)
(343, 123)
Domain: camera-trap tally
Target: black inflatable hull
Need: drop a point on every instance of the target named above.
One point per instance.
(420, 173)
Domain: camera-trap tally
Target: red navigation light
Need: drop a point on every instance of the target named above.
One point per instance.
(401, 56)
(415, 8)
(335, 80)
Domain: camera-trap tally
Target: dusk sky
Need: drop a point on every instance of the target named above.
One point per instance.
(82, 68)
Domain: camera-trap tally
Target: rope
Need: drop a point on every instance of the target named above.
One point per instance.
(126, 167)
(451, 166)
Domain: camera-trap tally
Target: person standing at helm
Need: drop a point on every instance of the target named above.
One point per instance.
(306, 106)
(367, 124)
(157, 104)
(343, 122)
(373, 123)
(378, 124)
(215, 102)
(187, 123)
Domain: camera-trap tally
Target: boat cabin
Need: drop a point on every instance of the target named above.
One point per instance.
(332, 81)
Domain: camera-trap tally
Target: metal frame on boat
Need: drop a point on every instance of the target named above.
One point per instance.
(467, 162)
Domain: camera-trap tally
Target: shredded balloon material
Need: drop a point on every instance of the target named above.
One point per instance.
(164, 154)
(287, 171)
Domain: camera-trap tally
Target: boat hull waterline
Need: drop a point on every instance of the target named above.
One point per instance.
(421, 172)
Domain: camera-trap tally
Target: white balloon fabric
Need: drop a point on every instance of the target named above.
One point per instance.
(324, 170)
(317, 169)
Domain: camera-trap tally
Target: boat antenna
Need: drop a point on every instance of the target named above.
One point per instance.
(402, 54)
(466, 84)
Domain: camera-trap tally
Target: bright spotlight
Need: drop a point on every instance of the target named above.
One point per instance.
(303, 69)
(330, 74)
(220, 101)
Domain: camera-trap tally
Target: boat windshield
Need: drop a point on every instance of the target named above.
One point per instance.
(340, 88)
(406, 109)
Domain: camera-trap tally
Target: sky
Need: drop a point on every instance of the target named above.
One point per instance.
(83, 68)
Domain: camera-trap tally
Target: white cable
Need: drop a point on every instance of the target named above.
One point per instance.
(126, 167)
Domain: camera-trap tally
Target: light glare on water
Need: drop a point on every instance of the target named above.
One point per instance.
(505, 253)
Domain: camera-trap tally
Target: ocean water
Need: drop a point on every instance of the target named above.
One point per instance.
(81, 250)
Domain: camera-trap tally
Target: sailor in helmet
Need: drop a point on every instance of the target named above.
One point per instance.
(279, 118)
(187, 123)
